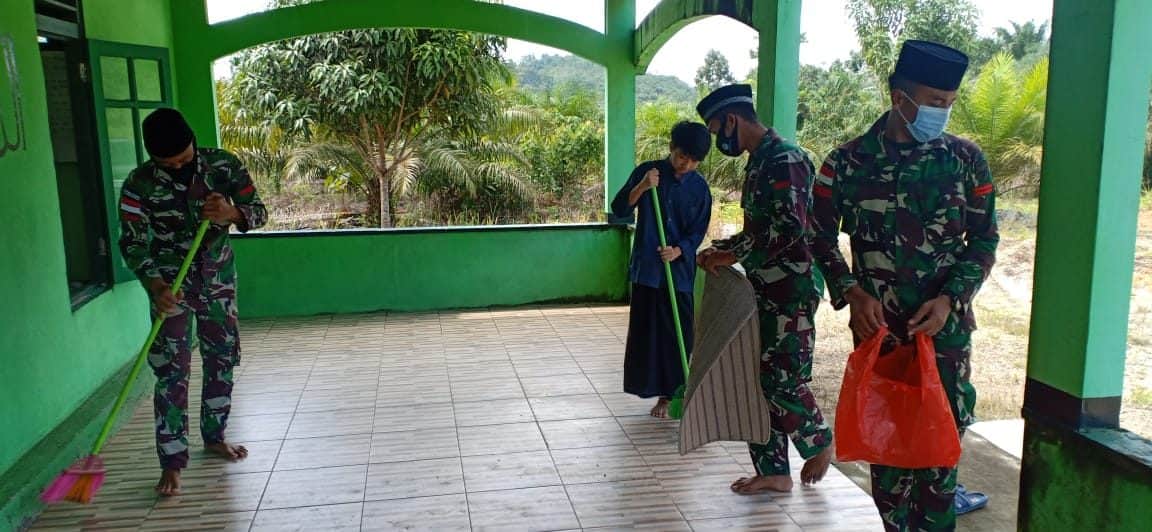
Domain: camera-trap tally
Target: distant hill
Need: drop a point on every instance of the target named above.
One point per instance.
(550, 72)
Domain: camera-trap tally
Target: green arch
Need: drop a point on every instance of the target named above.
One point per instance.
(335, 15)
(670, 16)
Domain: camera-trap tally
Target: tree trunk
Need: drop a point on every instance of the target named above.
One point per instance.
(372, 208)
(385, 194)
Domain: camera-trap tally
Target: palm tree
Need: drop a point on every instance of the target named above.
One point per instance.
(654, 123)
(456, 171)
(264, 150)
(1002, 110)
(836, 104)
(1022, 39)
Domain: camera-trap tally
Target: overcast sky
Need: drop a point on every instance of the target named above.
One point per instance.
(824, 22)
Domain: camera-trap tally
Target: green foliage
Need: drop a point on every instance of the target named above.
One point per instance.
(381, 92)
(714, 73)
(548, 74)
(565, 155)
(263, 149)
(1002, 110)
(656, 88)
(654, 123)
(567, 159)
(882, 26)
(1026, 42)
(836, 105)
(478, 175)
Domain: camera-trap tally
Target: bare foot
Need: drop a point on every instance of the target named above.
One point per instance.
(226, 450)
(661, 409)
(816, 467)
(169, 484)
(760, 484)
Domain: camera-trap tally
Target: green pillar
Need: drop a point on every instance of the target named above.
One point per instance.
(778, 22)
(620, 96)
(192, 72)
(1089, 201)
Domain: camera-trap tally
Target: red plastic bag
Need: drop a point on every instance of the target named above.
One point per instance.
(893, 410)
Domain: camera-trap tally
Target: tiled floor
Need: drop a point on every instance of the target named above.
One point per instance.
(484, 420)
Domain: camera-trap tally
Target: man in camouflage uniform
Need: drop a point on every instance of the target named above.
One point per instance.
(919, 206)
(773, 247)
(161, 206)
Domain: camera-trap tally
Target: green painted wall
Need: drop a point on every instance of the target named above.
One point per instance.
(142, 22)
(1098, 92)
(403, 270)
(1100, 480)
(51, 358)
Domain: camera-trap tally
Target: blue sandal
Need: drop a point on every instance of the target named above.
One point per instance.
(969, 501)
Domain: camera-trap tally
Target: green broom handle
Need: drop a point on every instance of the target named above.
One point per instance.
(671, 287)
(156, 324)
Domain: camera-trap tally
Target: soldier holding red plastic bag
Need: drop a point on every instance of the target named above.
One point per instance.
(919, 206)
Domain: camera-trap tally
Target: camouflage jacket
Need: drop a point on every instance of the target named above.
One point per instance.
(773, 245)
(921, 219)
(159, 215)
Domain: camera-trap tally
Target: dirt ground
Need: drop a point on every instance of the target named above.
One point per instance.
(1003, 308)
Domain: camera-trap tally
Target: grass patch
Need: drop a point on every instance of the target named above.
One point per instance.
(730, 212)
(1025, 205)
(1141, 397)
(1005, 320)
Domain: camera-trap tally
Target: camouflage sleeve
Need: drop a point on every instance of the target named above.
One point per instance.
(135, 232)
(826, 225)
(728, 244)
(245, 198)
(777, 214)
(981, 235)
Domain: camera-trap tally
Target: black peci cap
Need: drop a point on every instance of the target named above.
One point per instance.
(723, 97)
(166, 133)
(931, 64)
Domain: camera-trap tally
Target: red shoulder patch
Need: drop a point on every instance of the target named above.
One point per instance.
(984, 190)
(822, 191)
(783, 184)
(826, 170)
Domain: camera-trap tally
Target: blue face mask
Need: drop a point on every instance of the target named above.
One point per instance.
(930, 121)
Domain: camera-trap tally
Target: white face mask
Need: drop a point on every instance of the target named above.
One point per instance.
(930, 121)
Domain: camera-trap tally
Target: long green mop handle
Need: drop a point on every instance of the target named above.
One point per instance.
(671, 287)
(156, 323)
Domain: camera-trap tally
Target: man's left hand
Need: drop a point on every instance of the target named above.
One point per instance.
(219, 210)
(670, 253)
(931, 317)
(717, 259)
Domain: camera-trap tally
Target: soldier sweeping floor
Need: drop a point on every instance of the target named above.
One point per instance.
(161, 204)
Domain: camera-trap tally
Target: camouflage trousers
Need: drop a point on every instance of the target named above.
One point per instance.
(211, 307)
(922, 499)
(785, 371)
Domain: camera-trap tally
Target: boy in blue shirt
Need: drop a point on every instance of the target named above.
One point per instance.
(652, 357)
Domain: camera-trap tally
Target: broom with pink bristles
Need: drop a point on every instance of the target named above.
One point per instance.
(81, 481)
